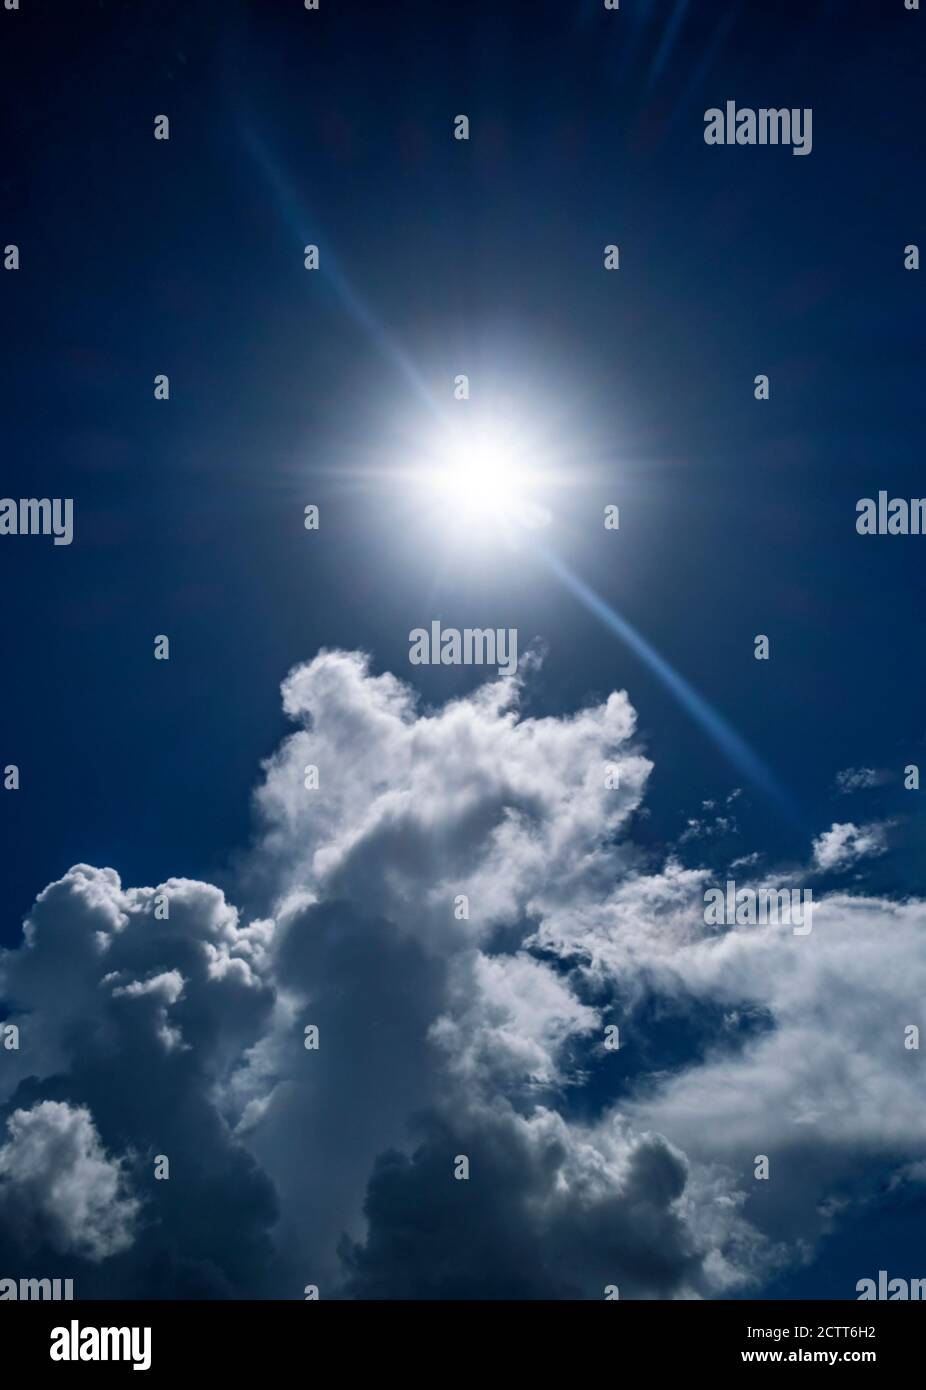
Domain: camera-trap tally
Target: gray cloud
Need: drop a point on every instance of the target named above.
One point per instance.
(59, 1187)
(132, 1023)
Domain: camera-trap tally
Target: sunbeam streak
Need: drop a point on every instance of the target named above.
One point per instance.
(730, 743)
(304, 226)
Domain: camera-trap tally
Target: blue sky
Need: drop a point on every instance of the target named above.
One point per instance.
(288, 387)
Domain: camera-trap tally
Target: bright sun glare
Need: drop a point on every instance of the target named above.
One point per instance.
(482, 479)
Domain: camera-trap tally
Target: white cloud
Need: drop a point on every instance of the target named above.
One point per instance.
(506, 1020)
(442, 1035)
(844, 844)
(57, 1185)
(414, 808)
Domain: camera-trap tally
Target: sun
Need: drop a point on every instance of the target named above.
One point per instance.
(480, 476)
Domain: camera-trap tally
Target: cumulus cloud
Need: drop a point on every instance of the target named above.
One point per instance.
(58, 1185)
(460, 909)
(547, 1211)
(826, 1087)
(845, 843)
(129, 1021)
(414, 807)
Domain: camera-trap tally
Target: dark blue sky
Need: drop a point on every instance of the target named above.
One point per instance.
(738, 517)
(185, 257)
